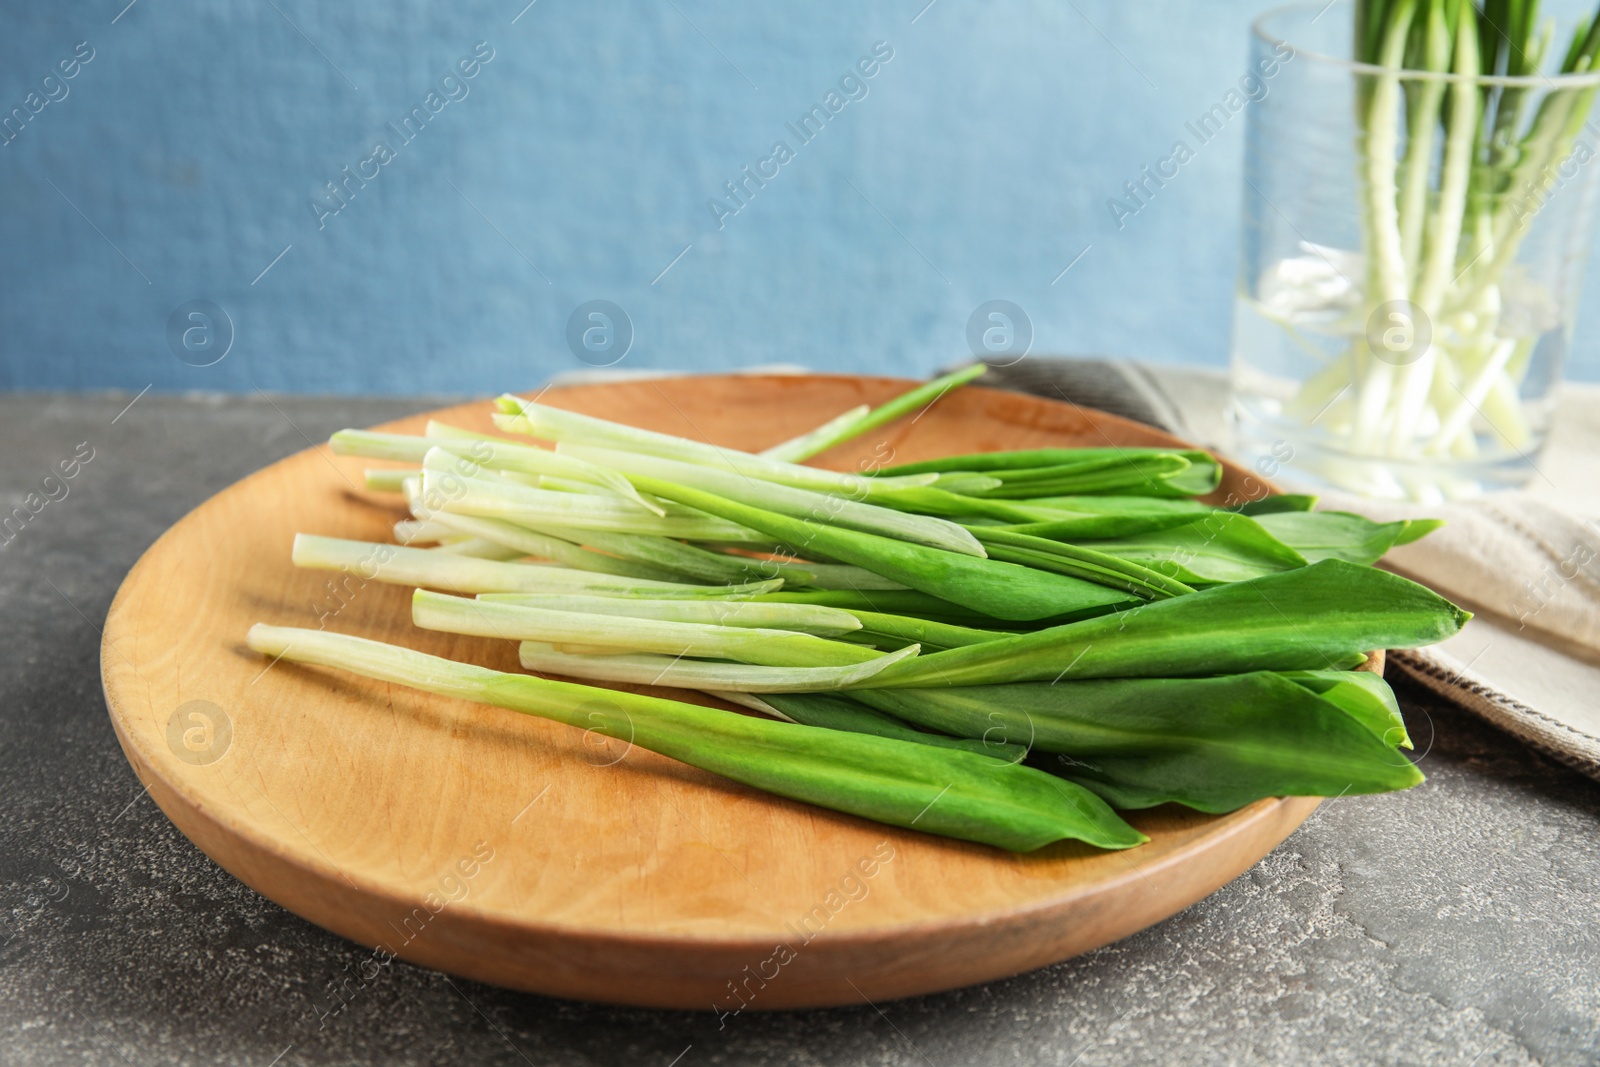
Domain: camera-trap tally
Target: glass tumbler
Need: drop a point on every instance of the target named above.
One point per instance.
(1413, 247)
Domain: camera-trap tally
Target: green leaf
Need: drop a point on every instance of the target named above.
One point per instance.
(937, 500)
(1072, 518)
(1143, 474)
(1271, 505)
(1417, 529)
(838, 713)
(1319, 535)
(1214, 744)
(1364, 696)
(1313, 618)
(1080, 562)
(1203, 476)
(1223, 547)
(1145, 471)
(1003, 590)
(1032, 458)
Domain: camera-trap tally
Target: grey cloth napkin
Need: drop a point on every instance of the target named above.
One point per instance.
(1527, 562)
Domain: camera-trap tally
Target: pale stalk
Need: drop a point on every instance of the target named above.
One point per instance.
(834, 508)
(805, 618)
(799, 449)
(477, 548)
(551, 546)
(1460, 138)
(472, 453)
(388, 479)
(556, 424)
(620, 633)
(918, 400)
(1421, 126)
(398, 565)
(1387, 267)
(447, 491)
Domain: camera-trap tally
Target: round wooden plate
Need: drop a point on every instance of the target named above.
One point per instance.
(528, 854)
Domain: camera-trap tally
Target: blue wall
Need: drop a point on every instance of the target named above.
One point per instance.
(186, 155)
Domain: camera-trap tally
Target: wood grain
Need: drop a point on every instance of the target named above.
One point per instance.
(524, 853)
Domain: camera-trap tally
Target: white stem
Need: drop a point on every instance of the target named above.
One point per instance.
(447, 491)
(1443, 241)
(517, 622)
(388, 480)
(373, 659)
(398, 565)
(1472, 396)
(478, 548)
(1387, 264)
(470, 454)
(804, 618)
(424, 532)
(833, 508)
(568, 427)
(549, 546)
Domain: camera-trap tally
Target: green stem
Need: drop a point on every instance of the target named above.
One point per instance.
(840, 430)
(942, 791)
(922, 632)
(799, 449)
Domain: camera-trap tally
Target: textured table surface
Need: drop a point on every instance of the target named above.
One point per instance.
(1457, 923)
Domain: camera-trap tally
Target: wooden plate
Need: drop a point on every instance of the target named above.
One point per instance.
(527, 854)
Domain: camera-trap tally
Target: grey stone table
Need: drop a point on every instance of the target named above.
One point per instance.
(1457, 923)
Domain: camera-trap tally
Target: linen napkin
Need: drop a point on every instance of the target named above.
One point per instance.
(1527, 562)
